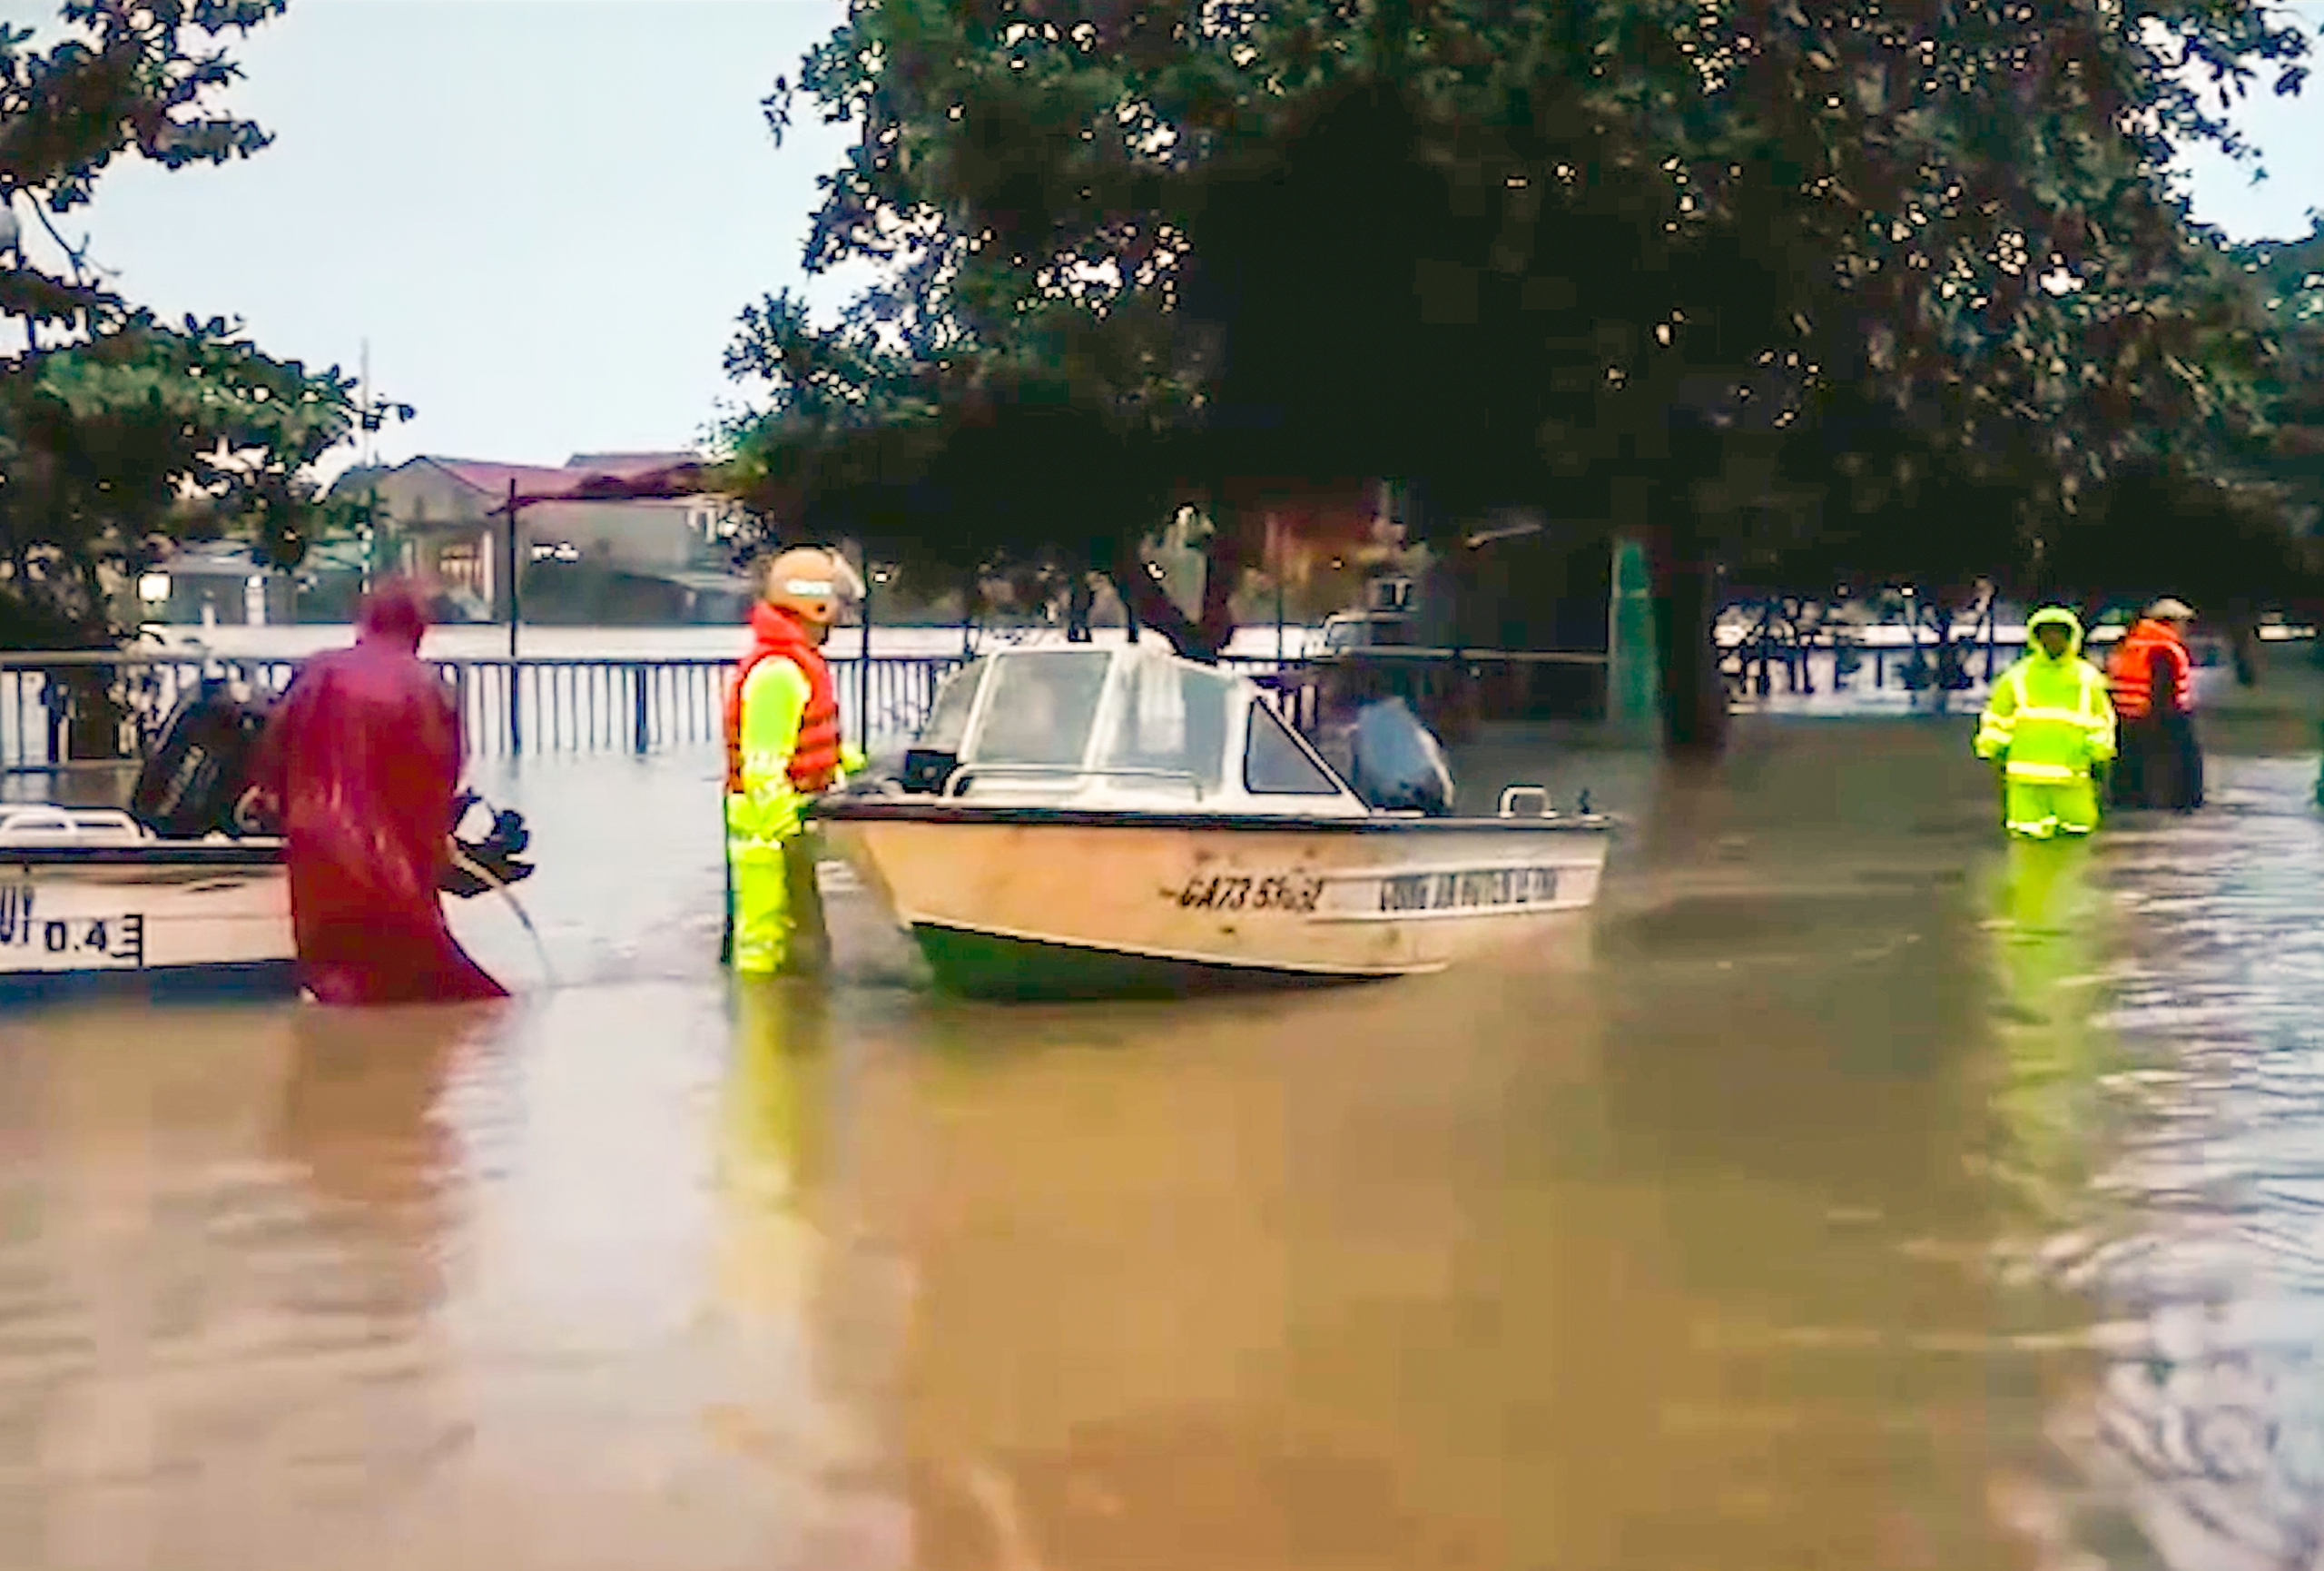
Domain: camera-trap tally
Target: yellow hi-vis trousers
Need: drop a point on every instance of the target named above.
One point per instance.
(2042, 809)
(779, 910)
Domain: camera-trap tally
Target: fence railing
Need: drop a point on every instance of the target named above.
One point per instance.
(1757, 668)
(59, 709)
(62, 709)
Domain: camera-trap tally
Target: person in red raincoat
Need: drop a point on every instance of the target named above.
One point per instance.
(361, 758)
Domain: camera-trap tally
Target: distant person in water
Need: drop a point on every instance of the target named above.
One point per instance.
(361, 759)
(2048, 724)
(2152, 676)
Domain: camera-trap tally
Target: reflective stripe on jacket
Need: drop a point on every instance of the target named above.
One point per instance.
(2048, 720)
(765, 812)
(2130, 673)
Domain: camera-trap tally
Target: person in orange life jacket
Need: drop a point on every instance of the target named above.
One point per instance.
(2153, 679)
(783, 750)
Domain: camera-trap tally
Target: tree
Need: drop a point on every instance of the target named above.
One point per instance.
(2289, 280)
(1640, 261)
(116, 431)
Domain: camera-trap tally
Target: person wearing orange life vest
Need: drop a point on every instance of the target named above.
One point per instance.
(2153, 677)
(784, 749)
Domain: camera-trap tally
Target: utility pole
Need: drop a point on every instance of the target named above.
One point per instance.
(516, 699)
(864, 687)
(370, 477)
(511, 560)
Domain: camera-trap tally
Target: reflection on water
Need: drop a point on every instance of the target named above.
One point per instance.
(2202, 1439)
(1847, 1192)
(246, 1201)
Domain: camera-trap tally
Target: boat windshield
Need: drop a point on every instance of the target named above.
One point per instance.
(1275, 766)
(948, 721)
(1042, 708)
(1172, 719)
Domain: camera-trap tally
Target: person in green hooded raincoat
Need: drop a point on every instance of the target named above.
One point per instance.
(2050, 725)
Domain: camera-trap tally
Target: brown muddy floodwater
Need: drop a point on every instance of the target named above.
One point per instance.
(1843, 1194)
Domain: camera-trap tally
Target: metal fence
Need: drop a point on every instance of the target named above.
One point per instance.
(1755, 667)
(59, 709)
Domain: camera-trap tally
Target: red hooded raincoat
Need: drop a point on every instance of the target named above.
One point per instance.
(363, 757)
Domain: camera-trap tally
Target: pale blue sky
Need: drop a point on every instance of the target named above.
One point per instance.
(545, 214)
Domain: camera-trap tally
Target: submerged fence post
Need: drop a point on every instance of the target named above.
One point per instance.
(641, 726)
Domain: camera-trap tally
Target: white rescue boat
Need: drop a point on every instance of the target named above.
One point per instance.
(91, 901)
(1090, 822)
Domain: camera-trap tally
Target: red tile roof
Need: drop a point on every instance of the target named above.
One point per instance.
(539, 480)
(629, 463)
(531, 480)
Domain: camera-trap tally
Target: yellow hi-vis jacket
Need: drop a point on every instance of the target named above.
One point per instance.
(766, 815)
(2049, 721)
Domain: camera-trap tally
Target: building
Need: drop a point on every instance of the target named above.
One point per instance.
(222, 583)
(630, 560)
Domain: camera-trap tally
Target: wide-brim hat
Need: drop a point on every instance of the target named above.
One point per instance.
(2169, 610)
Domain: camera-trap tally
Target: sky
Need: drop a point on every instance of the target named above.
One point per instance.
(544, 215)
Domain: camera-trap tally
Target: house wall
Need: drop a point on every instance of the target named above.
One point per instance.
(225, 592)
(633, 536)
(448, 535)
(444, 533)
(420, 494)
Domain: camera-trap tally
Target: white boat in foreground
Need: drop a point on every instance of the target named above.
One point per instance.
(91, 901)
(1087, 822)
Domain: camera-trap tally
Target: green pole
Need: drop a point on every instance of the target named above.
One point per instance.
(1633, 669)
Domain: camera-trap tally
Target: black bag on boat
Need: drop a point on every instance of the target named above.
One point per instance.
(195, 774)
(1396, 764)
(490, 862)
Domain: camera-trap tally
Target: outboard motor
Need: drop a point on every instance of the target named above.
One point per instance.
(195, 775)
(1396, 764)
(490, 861)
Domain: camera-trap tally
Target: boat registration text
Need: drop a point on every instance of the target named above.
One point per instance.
(32, 940)
(1375, 897)
(1477, 889)
(1292, 891)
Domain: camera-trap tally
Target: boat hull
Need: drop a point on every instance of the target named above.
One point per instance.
(1034, 902)
(158, 919)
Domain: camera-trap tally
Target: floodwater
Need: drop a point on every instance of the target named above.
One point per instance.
(1844, 1193)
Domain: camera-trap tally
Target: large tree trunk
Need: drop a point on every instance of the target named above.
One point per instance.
(2241, 625)
(1686, 601)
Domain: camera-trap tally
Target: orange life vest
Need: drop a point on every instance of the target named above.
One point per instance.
(2130, 672)
(815, 756)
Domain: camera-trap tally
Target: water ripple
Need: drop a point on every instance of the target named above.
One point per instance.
(2208, 1421)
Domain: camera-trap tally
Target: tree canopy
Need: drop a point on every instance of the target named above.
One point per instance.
(118, 431)
(1744, 277)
